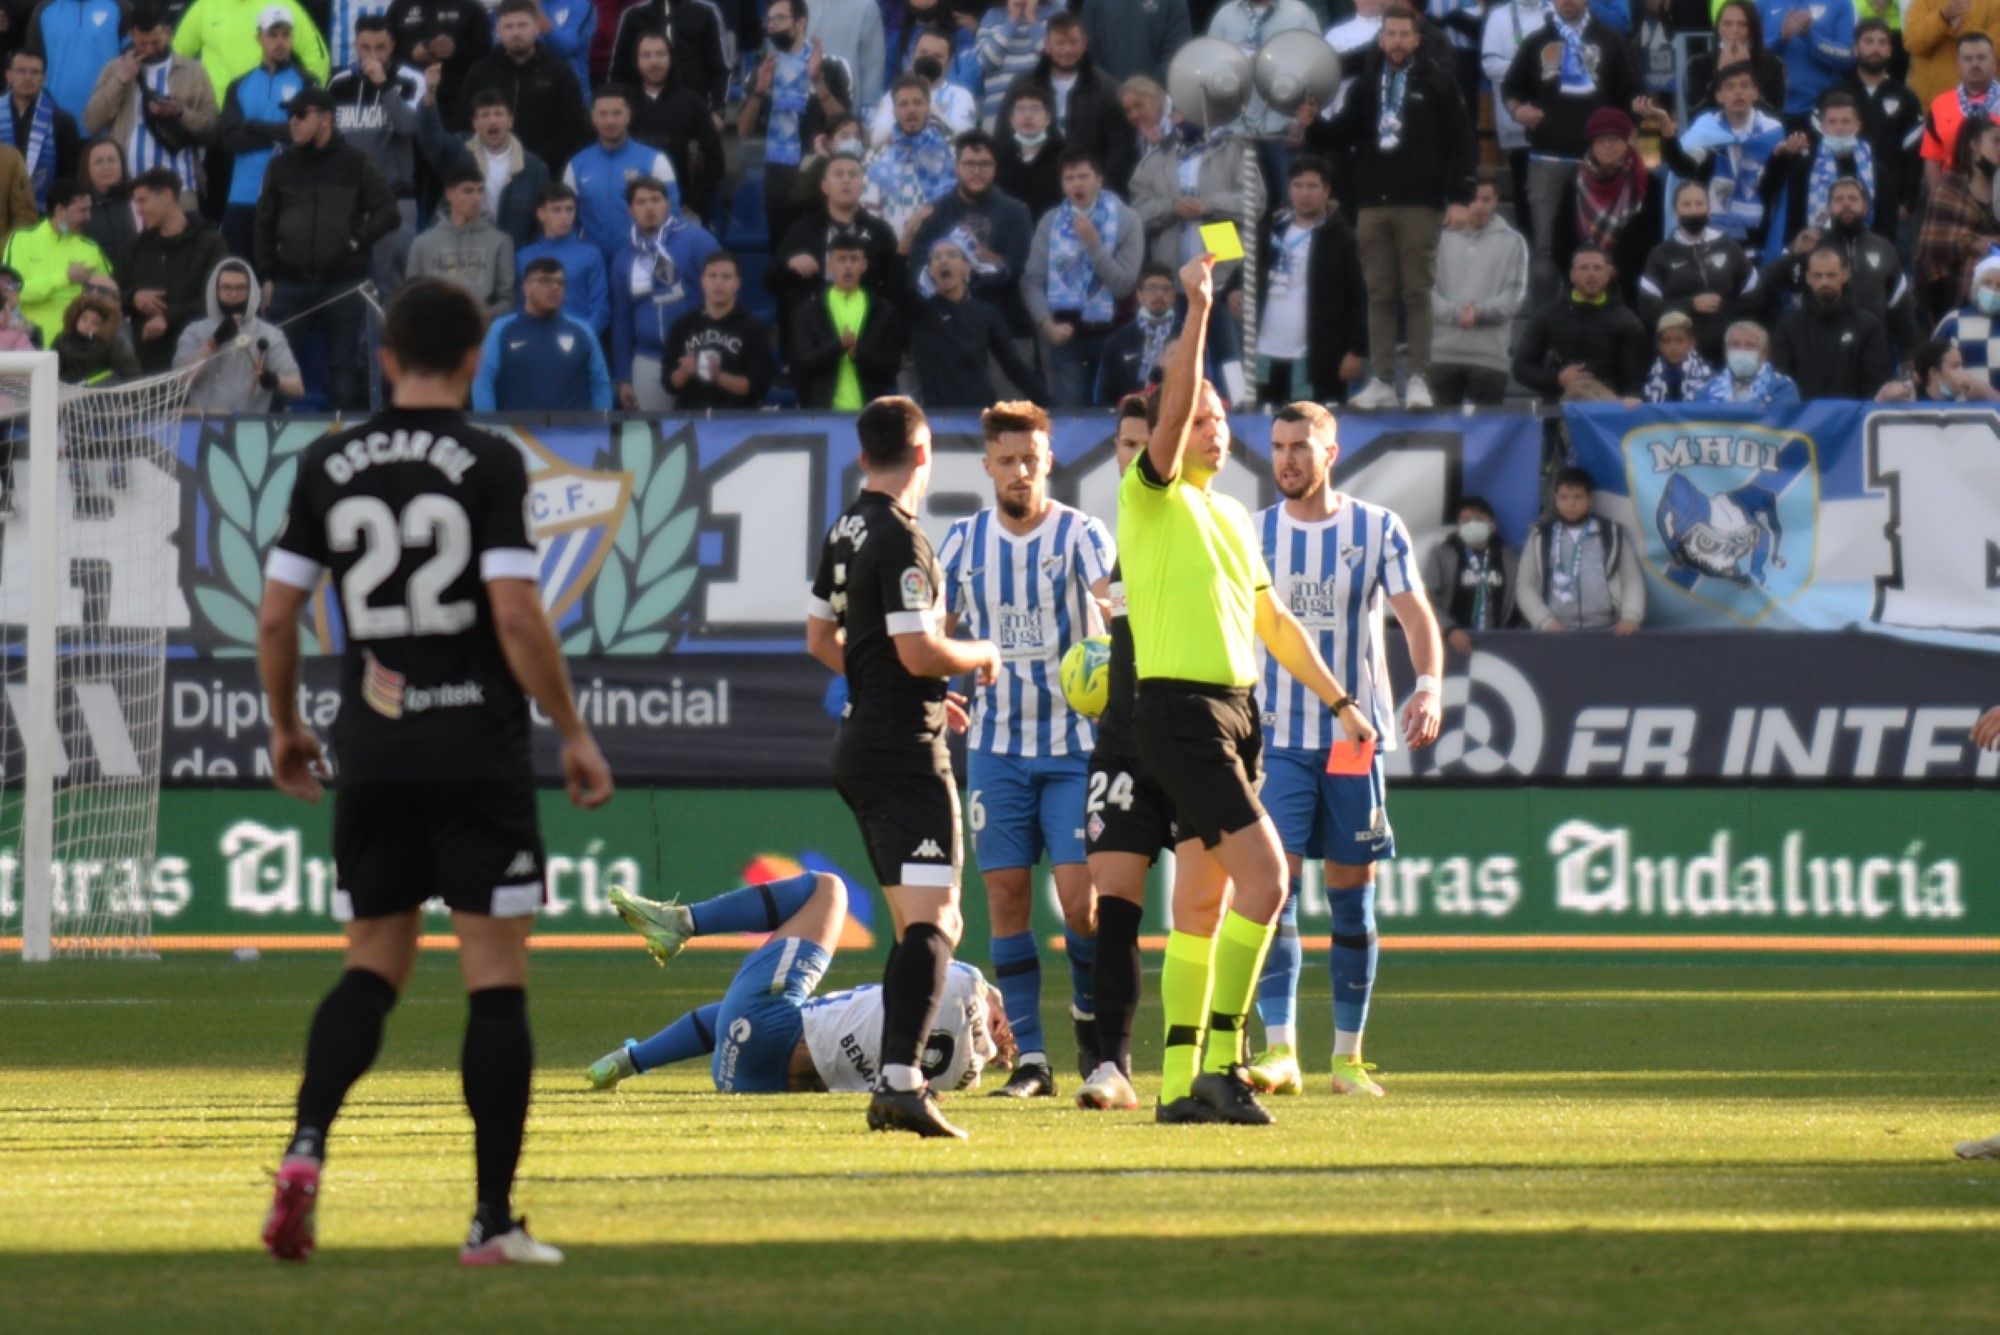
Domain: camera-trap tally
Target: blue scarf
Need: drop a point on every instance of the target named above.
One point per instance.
(909, 172)
(1826, 170)
(1073, 281)
(655, 277)
(1677, 384)
(1760, 389)
(1389, 115)
(40, 152)
(1155, 334)
(1734, 203)
(1578, 72)
(791, 93)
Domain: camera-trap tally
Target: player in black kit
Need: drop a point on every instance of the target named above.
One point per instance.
(420, 523)
(1127, 821)
(877, 615)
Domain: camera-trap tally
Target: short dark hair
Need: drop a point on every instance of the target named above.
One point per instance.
(971, 139)
(1740, 69)
(799, 9)
(1034, 92)
(555, 192)
(463, 172)
(147, 17)
(653, 30)
(1592, 248)
(1075, 154)
(1065, 21)
(1318, 422)
(366, 23)
(915, 81)
(1572, 477)
(1146, 407)
(1155, 269)
(1688, 183)
(1972, 38)
(1485, 176)
(1479, 503)
(1403, 12)
(1313, 163)
(888, 430)
(727, 257)
(1838, 97)
(489, 97)
(66, 192)
(1015, 415)
(1834, 251)
(847, 241)
(1873, 25)
(528, 7)
(432, 324)
(637, 184)
(617, 90)
(544, 264)
(159, 178)
(32, 55)
(1927, 358)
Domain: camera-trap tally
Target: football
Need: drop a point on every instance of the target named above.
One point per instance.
(1086, 675)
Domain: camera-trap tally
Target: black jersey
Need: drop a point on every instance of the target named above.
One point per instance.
(1114, 726)
(878, 578)
(409, 513)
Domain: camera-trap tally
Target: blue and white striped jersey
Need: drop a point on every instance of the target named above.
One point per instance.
(1031, 596)
(1333, 575)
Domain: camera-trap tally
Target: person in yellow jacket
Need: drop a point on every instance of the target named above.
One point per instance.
(223, 35)
(1931, 29)
(55, 259)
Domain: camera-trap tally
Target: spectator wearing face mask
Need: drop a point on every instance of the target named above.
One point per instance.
(1472, 577)
(1938, 375)
(1678, 374)
(953, 110)
(1029, 160)
(1974, 329)
(796, 95)
(1747, 375)
(1577, 569)
(1697, 272)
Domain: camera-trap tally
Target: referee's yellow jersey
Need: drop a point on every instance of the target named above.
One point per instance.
(1192, 570)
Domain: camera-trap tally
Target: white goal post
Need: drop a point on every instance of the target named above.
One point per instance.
(89, 586)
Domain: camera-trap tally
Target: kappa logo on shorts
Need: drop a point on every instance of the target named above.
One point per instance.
(928, 849)
(522, 865)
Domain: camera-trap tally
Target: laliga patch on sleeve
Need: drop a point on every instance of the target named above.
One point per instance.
(917, 596)
(1350, 758)
(1221, 240)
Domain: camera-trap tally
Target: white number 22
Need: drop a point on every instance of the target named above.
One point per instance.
(431, 520)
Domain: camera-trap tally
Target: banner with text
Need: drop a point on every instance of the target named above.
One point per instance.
(1820, 516)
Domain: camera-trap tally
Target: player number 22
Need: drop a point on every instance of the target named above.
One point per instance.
(1110, 790)
(430, 520)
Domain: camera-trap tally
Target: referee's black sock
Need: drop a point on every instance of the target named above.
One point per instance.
(346, 1034)
(912, 986)
(497, 1061)
(1116, 978)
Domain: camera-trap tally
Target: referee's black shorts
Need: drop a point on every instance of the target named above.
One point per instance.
(1204, 745)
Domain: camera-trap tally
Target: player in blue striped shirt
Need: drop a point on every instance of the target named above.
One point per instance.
(1027, 573)
(1333, 559)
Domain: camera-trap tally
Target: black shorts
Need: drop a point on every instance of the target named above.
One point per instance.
(1126, 812)
(474, 843)
(909, 821)
(1204, 746)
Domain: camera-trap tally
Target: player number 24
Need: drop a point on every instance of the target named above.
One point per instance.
(1109, 790)
(430, 520)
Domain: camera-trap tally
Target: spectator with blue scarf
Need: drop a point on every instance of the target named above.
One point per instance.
(1084, 261)
(157, 103)
(794, 96)
(1678, 374)
(1731, 148)
(77, 38)
(655, 279)
(36, 128)
(915, 167)
(1749, 376)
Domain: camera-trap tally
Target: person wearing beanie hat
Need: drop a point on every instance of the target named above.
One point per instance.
(1611, 202)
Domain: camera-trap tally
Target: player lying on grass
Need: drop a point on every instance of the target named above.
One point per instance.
(769, 1034)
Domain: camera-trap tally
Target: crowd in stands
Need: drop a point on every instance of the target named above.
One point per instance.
(737, 204)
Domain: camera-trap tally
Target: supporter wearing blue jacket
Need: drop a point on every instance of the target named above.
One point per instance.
(254, 124)
(1816, 42)
(541, 359)
(572, 28)
(586, 294)
(77, 38)
(655, 279)
(602, 173)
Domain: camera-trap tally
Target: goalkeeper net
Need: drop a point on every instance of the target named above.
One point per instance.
(89, 586)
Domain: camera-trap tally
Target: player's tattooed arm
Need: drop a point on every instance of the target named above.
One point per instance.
(295, 752)
(535, 658)
(1293, 648)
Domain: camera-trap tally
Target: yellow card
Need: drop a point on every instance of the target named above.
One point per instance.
(1221, 241)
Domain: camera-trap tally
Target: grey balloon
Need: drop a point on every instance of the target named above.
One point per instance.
(1296, 67)
(1209, 81)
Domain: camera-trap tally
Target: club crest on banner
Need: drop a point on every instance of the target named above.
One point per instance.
(1730, 511)
(574, 514)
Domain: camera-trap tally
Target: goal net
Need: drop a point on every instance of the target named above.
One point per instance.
(89, 584)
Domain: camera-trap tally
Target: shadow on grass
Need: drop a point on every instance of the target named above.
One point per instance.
(1436, 1281)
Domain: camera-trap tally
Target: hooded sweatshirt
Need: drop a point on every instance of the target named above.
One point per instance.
(478, 256)
(1488, 268)
(227, 383)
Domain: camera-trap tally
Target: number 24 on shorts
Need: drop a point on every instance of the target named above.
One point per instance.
(1109, 790)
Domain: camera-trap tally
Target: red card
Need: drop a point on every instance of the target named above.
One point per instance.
(1351, 757)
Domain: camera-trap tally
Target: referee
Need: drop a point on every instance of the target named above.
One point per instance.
(877, 616)
(1199, 597)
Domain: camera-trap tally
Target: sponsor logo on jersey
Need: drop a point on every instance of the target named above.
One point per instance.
(390, 694)
(381, 688)
(917, 596)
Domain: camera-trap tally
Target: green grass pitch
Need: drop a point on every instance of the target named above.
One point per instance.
(1575, 1145)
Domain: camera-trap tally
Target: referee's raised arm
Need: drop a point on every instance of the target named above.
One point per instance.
(1182, 383)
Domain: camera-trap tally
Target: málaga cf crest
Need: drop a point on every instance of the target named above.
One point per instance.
(573, 516)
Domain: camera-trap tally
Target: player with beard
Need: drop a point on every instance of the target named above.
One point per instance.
(1334, 559)
(876, 616)
(1200, 598)
(1027, 572)
(1127, 821)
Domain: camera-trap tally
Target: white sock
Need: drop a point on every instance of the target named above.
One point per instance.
(1346, 1044)
(1031, 1059)
(903, 1078)
(1280, 1035)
